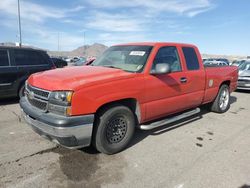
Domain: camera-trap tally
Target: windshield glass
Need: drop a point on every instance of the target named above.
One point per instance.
(245, 66)
(128, 58)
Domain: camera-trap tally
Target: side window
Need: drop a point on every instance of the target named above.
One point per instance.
(191, 58)
(169, 55)
(28, 57)
(4, 58)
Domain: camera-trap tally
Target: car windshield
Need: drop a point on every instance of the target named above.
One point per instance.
(245, 66)
(128, 58)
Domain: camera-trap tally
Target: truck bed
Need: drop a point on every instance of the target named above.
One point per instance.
(213, 80)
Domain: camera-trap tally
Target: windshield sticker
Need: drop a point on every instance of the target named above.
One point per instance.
(137, 53)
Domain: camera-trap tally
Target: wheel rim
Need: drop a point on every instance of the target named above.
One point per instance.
(116, 129)
(224, 99)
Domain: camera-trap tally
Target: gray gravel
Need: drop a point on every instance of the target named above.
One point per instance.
(208, 150)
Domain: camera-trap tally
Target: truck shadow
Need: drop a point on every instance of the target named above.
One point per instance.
(242, 91)
(142, 134)
(9, 101)
(245, 186)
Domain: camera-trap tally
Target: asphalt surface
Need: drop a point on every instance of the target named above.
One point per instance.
(207, 150)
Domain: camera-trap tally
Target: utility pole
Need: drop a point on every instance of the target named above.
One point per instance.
(19, 22)
(84, 52)
(58, 44)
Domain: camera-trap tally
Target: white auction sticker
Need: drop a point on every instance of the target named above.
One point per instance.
(138, 53)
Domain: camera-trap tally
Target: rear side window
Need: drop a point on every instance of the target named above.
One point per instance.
(29, 57)
(4, 58)
(191, 58)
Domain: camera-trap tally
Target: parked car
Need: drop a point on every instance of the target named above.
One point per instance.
(59, 63)
(16, 65)
(244, 76)
(75, 59)
(67, 59)
(224, 60)
(129, 86)
(80, 62)
(238, 62)
(215, 63)
(219, 59)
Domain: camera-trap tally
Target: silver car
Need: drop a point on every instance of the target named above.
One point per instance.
(244, 76)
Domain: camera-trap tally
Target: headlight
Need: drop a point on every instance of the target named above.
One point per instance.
(60, 102)
(61, 97)
(60, 110)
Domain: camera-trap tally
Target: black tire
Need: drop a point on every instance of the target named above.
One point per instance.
(221, 103)
(113, 129)
(21, 91)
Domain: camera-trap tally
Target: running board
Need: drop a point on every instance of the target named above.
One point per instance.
(169, 120)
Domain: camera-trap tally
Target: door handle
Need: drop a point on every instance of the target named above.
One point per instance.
(183, 80)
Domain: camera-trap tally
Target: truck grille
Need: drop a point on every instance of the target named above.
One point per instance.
(37, 97)
(38, 104)
(39, 92)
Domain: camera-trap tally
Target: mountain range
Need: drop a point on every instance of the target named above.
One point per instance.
(95, 50)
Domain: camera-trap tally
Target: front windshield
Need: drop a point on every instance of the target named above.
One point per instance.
(245, 66)
(128, 58)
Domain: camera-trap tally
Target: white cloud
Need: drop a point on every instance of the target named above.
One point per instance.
(35, 12)
(48, 38)
(185, 7)
(138, 15)
(115, 38)
(113, 22)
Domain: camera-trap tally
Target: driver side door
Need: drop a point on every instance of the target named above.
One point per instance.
(165, 92)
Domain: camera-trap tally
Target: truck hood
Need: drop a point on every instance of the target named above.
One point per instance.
(244, 73)
(74, 78)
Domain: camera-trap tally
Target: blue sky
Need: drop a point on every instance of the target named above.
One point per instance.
(215, 26)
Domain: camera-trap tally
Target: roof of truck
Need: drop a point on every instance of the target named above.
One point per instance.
(155, 44)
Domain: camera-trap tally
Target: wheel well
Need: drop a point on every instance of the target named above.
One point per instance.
(131, 103)
(227, 82)
(20, 85)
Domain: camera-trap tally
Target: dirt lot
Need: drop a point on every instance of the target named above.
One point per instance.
(208, 150)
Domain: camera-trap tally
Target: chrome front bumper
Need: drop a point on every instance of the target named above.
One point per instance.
(70, 132)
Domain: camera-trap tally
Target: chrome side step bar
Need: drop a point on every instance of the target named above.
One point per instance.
(169, 120)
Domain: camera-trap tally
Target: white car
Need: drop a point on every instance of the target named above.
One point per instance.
(215, 63)
(244, 76)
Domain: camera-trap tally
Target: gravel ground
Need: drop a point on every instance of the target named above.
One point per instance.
(207, 150)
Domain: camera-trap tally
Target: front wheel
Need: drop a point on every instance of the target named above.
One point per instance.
(222, 101)
(113, 129)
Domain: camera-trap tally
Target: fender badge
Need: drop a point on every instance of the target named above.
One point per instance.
(211, 83)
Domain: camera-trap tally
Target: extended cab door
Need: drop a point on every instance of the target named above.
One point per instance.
(195, 76)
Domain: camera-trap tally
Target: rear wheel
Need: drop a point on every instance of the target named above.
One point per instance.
(113, 129)
(222, 101)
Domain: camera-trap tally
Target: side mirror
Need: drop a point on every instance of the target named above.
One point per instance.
(161, 68)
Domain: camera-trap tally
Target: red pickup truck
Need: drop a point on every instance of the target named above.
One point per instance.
(130, 85)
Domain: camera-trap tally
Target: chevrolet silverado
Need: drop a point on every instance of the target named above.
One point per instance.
(130, 85)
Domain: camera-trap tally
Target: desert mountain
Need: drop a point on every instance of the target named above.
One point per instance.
(95, 49)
